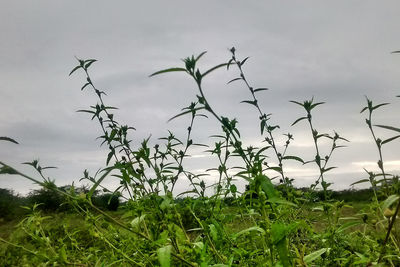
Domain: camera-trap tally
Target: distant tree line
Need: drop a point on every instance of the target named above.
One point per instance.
(11, 204)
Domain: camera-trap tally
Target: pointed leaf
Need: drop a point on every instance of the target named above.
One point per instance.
(4, 138)
(389, 201)
(236, 79)
(254, 103)
(389, 128)
(214, 68)
(74, 69)
(328, 169)
(89, 62)
(164, 256)
(299, 119)
(314, 255)
(267, 186)
(282, 201)
(250, 229)
(380, 105)
(298, 103)
(98, 182)
(390, 139)
(361, 181)
(316, 104)
(243, 61)
(138, 221)
(7, 170)
(167, 70)
(294, 158)
(277, 169)
(260, 89)
(364, 109)
(199, 56)
(348, 225)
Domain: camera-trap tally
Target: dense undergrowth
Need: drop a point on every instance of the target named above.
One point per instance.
(271, 223)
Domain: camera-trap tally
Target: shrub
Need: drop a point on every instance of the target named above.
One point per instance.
(10, 204)
(107, 201)
(48, 199)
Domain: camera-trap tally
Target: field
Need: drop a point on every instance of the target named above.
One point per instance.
(270, 223)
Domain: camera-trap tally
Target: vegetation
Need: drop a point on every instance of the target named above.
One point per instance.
(271, 223)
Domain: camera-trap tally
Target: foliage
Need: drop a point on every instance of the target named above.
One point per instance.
(107, 201)
(10, 204)
(270, 223)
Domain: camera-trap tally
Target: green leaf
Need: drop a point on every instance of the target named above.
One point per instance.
(364, 109)
(4, 138)
(137, 221)
(213, 232)
(214, 68)
(389, 201)
(87, 111)
(98, 182)
(277, 169)
(314, 255)
(316, 104)
(233, 80)
(267, 186)
(278, 235)
(183, 113)
(390, 139)
(74, 69)
(233, 188)
(296, 102)
(328, 169)
(294, 158)
(7, 170)
(89, 62)
(186, 192)
(299, 119)
(201, 54)
(260, 89)
(254, 102)
(167, 70)
(278, 232)
(262, 126)
(243, 61)
(248, 230)
(361, 181)
(380, 105)
(113, 133)
(109, 156)
(63, 255)
(164, 256)
(348, 225)
(83, 87)
(229, 63)
(282, 201)
(319, 208)
(389, 128)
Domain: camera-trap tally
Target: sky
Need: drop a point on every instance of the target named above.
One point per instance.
(338, 52)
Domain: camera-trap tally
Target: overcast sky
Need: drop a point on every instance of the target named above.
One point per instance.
(336, 51)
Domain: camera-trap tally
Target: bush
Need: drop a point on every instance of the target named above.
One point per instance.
(48, 199)
(107, 201)
(10, 204)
